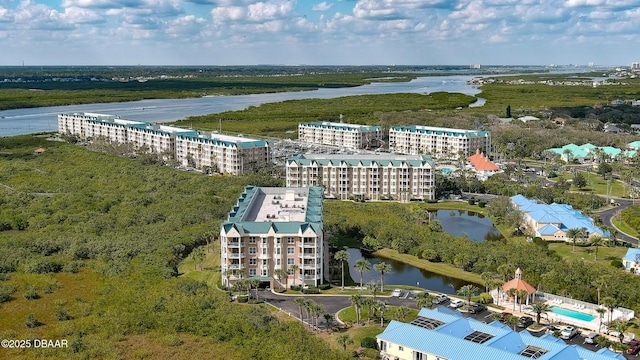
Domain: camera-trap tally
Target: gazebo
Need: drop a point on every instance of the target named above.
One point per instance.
(519, 284)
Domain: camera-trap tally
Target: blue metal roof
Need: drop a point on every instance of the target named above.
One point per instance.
(448, 341)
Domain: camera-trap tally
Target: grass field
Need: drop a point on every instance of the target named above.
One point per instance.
(622, 226)
(596, 184)
(605, 254)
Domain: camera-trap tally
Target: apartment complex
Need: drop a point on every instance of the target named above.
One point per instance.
(350, 136)
(275, 228)
(368, 177)
(444, 334)
(442, 143)
(222, 153)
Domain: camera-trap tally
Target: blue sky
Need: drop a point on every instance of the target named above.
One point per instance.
(338, 32)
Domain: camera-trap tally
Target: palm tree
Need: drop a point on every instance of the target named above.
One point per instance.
(382, 268)
(596, 241)
(241, 273)
(362, 265)
(610, 303)
(402, 312)
(424, 300)
(294, 270)
(513, 293)
(540, 308)
(344, 340)
(573, 234)
(467, 291)
(601, 311)
(621, 327)
(522, 294)
(342, 256)
(356, 301)
(487, 276)
(281, 274)
(370, 303)
(511, 320)
(382, 306)
(372, 286)
(301, 302)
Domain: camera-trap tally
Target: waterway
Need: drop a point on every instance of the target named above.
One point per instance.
(44, 119)
(456, 222)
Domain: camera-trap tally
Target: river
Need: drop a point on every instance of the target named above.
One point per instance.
(44, 119)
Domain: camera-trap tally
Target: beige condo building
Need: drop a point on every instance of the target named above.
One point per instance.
(352, 136)
(442, 143)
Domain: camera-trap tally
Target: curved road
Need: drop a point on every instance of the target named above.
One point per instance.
(608, 214)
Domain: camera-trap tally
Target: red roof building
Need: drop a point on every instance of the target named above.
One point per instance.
(482, 163)
(519, 284)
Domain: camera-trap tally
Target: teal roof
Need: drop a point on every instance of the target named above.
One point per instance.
(362, 160)
(239, 214)
(585, 150)
(448, 341)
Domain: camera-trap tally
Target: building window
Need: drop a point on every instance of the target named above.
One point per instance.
(278, 262)
(252, 240)
(291, 240)
(400, 348)
(252, 251)
(252, 272)
(290, 250)
(253, 261)
(290, 261)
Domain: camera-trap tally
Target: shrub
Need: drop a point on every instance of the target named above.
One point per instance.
(5, 292)
(296, 287)
(62, 315)
(471, 201)
(73, 267)
(369, 343)
(243, 299)
(324, 286)
(311, 290)
(43, 265)
(616, 263)
(30, 321)
(31, 294)
(482, 203)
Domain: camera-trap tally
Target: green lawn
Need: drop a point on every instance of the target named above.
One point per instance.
(622, 226)
(605, 254)
(596, 184)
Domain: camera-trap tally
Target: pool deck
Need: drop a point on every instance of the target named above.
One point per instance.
(557, 318)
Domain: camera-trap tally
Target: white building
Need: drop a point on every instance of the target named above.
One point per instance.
(352, 136)
(274, 228)
(439, 142)
(369, 177)
(222, 153)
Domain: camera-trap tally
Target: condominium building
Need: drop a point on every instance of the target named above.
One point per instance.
(271, 229)
(368, 177)
(350, 136)
(444, 334)
(440, 142)
(221, 153)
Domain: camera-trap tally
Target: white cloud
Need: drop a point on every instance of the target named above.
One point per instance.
(323, 6)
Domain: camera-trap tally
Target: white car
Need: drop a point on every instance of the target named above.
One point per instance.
(396, 293)
(568, 333)
(456, 303)
(440, 298)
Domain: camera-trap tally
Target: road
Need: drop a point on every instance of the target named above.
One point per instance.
(608, 214)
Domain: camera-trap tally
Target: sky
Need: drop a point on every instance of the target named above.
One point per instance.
(313, 32)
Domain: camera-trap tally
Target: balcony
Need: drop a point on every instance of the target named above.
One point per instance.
(235, 243)
(236, 255)
(307, 256)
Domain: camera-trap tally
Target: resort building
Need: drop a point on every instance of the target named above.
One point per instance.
(552, 222)
(440, 142)
(272, 229)
(366, 177)
(589, 152)
(518, 284)
(444, 334)
(482, 166)
(631, 261)
(220, 153)
(352, 136)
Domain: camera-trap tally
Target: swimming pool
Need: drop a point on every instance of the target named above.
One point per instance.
(572, 314)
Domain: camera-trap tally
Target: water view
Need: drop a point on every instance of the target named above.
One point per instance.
(25, 121)
(475, 226)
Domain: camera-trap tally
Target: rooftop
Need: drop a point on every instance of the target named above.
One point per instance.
(383, 159)
(342, 125)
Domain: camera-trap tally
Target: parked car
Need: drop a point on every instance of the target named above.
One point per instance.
(456, 303)
(477, 308)
(440, 299)
(634, 348)
(568, 333)
(396, 293)
(591, 338)
(525, 322)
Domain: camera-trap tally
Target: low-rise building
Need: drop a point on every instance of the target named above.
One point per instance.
(352, 136)
(440, 142)
(367, 177)
(275, 235)
(444, 334)
(553, 222)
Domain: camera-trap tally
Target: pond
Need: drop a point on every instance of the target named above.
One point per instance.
(476, 227)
